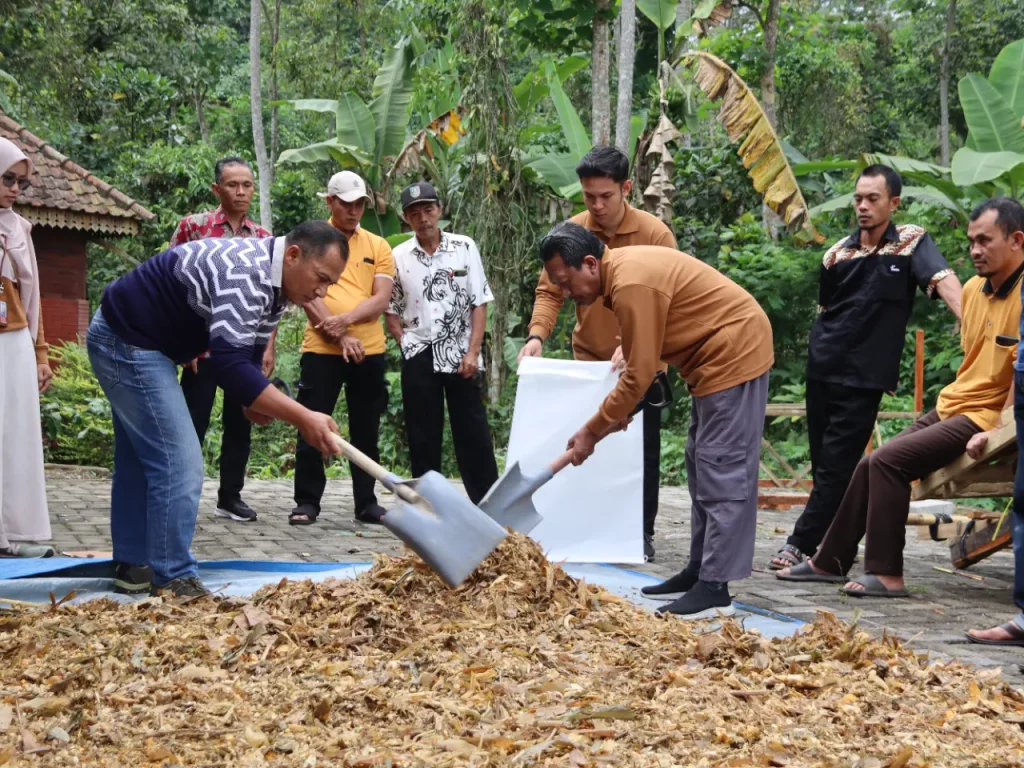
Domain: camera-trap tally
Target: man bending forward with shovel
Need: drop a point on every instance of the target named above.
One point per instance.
(675, 309)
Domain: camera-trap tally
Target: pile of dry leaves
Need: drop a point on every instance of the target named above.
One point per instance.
(521, 666)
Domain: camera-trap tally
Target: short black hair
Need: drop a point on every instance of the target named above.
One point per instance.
(314, 238)
(572, 242)
(1009, 214)
(893, 181)
(604, 162)
(224, 162)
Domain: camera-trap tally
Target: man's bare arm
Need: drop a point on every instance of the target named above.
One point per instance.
(949, 290)
(394, 324)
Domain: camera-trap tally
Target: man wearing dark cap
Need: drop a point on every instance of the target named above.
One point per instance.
(437, 315)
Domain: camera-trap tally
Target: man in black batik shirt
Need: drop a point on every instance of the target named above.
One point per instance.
(866, 290)
(438, 315)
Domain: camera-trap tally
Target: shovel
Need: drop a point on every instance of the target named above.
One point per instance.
(510, 500)
(434, 519)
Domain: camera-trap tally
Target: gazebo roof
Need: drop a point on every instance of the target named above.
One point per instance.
(65, 195)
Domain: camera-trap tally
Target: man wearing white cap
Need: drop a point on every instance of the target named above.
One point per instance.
(344, 344)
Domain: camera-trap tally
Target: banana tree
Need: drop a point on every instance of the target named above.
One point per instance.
(558, 169)
(991, 163)
(994, 111)
(373, 138)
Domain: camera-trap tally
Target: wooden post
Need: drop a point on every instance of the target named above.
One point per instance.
(919, 372)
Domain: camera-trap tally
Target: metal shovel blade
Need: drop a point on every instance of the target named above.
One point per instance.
(453, 536)
(510, 500)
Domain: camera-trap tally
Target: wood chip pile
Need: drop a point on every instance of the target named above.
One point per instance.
(522, 665)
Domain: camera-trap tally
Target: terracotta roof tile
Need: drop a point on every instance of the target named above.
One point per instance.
(59, 183)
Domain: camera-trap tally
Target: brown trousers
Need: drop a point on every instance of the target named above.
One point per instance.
(877, 501)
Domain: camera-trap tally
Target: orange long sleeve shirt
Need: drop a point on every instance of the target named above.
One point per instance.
(597, 331)
(673, 308)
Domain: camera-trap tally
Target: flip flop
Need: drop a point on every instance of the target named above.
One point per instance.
(1013, 628)
(790, 554)
(873, 587)
(804, 572)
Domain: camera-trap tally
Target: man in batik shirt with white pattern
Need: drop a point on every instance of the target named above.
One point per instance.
(438, 315)
(866, 290)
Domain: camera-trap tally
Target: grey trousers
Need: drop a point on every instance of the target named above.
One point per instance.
(722, 456)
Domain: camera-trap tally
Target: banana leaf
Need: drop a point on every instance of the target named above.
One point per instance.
(392, 95)
(760, 150)
(992, 124)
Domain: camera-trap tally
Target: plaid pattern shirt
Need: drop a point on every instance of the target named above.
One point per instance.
(213, 224)
(202, 226)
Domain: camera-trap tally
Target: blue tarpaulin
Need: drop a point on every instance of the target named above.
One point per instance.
(33, 580)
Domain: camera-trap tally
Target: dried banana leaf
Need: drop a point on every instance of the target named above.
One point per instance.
(761, 152)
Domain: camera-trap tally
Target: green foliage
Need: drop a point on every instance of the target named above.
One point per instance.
(76, 413)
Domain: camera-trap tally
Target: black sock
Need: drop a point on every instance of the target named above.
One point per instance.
(681, 582)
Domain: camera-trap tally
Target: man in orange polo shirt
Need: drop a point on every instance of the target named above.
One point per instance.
(344, 344)
(604, 175)
(675, 309)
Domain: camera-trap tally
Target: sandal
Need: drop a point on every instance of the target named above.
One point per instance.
(873, 587)
(304, 514)
(804, 572)
(1012, 628)
(790, 554)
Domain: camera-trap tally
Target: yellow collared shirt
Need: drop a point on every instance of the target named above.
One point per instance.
(369, 257)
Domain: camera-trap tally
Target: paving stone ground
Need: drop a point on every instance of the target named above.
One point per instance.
(941, 607)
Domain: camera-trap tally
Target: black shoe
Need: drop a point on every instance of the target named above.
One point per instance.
(132, 579)
(675, 587)
(187, 587)
(701, 602)
(648, 549)
(371, 514)
(235, 510)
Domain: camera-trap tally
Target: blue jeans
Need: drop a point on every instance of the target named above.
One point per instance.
(158, 463)
(1018, 497)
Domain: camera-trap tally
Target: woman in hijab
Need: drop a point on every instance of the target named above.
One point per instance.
(24, 372)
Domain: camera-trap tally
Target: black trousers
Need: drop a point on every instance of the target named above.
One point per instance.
(652, 466)
(200, 390)
(839, 424)
(423, 396)
(366, 398)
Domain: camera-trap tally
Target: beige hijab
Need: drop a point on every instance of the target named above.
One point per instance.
(20, 264)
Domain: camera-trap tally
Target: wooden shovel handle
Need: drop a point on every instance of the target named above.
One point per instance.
(560, 463)
(376, 471)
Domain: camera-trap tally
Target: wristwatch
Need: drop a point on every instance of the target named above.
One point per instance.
(533, 336)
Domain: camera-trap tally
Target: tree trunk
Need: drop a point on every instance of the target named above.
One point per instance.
(275, 133)
(256, 99)
(771, 39)
(627, 53)
(204, 129)
(601, 116)
(944, 83)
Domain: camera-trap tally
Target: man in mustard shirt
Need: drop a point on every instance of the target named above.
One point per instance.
(344, 344)
(877, 501)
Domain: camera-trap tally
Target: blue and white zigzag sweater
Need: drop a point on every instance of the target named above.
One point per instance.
(218, 295)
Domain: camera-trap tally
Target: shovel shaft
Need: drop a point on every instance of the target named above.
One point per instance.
(376, 471)
(560, 463)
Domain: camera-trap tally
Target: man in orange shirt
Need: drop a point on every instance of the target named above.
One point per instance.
(344, 344)
(675, 309)
(604, 175)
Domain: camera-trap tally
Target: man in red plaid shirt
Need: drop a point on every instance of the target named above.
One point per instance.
(234, 187)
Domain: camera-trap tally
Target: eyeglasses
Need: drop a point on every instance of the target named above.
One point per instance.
(10, 179)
